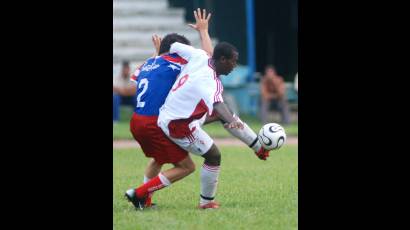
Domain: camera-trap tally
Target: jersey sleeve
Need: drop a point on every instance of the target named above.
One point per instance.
(184, 51)
(211, 91)
(218, 92)
(136, 73)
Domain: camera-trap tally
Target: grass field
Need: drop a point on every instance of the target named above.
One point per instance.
(254, 194)
(121, 130)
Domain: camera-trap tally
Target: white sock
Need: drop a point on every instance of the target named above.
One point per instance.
(164, 180)
(209, 183)
(246, 135)
(146, 179)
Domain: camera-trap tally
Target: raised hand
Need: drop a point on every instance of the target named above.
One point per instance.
(156, 40)
(202, 20)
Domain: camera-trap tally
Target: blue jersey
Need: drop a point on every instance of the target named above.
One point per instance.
(154, 80)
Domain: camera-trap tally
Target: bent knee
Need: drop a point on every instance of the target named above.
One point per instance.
(213, 156)
(190, 169)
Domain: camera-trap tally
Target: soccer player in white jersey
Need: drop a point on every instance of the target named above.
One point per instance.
(141, 195)
(195, 97)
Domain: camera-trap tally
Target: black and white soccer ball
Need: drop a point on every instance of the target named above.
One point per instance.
(272, 136)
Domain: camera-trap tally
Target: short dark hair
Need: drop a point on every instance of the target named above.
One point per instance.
(125, 63)
(270, 66)
(224, 49)
(167, 41)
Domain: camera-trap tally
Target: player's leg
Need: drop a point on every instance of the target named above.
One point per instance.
(181, 169)
(209, 178)
(201, 144)
(152, 170)
(156, 145)
(165, 178)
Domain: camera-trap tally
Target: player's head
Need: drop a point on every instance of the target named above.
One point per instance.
(125, 70)
(225, 57)
(167, 41)
(270, 70)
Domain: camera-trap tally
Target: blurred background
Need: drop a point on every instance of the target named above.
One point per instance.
(265, 33)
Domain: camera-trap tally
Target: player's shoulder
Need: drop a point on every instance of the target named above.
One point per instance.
(147, 61)
(209, 67)
(137, 71)
(199, 54)
(174, 59)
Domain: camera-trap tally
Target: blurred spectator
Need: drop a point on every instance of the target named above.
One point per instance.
(296, 82)
(121, 82)
(273, 95)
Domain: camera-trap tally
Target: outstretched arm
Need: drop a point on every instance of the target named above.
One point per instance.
(202, 22)
(129, 90)
(226, 116)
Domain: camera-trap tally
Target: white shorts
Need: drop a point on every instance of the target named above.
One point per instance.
(198, 143)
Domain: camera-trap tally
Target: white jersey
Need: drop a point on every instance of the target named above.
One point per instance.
(195, 90)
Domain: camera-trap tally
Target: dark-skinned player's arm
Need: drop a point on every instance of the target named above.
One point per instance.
(226, 116)
(231, 123)
(202, 22)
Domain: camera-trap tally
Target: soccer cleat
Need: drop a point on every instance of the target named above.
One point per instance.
(139, 203)
(148, 201)
(262, 153)
(210, 205)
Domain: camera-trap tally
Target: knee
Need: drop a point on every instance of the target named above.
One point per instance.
(216, 158)
(190, 169)
(213, 156)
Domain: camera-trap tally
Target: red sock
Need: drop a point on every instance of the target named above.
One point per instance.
(148, 201)
(153, 185)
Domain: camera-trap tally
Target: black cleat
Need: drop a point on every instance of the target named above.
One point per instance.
(139, 203)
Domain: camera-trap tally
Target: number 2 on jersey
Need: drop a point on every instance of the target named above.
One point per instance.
(143, 83)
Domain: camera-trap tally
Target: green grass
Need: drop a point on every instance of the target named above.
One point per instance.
(254, 194)
(121, 130)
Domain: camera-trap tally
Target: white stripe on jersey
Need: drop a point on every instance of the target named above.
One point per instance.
(218, 83)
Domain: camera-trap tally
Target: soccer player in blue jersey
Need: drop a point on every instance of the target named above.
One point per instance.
(154, 80)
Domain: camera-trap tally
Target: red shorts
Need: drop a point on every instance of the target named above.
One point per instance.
(153, 141)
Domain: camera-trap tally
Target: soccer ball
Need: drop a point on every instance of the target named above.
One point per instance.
(272, 136)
